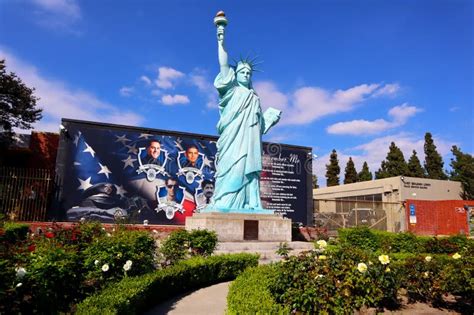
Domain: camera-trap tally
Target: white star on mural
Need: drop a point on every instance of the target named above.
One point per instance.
(207, 162)
(178, 144)
(104, 170)
(122, 139)
(128, 162)
(85, 184)
(132, 149)
(145, 135)
(76, 138)
(89, 149)
(120, 191)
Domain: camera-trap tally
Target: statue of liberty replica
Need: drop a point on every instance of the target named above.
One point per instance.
(236, 211)
(240, 128)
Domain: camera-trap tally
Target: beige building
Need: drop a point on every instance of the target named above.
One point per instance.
(377, 203)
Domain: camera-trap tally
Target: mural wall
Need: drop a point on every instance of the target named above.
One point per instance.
(108, 172)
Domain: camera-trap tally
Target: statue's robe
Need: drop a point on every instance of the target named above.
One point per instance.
(239, 148)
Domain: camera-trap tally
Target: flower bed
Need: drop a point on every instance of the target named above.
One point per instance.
(136, 294)
(65, 265)
(357, 273)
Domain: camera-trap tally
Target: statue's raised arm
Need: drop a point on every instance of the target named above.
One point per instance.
(220, 21)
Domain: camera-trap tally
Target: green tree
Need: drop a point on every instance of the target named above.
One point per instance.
(17, 105)
(382, 172)
(433, 161)
(365, 174)
(350, 174)
(315, 181)
(414, 166)
(463, 171)
(394, 164)
(333, 170)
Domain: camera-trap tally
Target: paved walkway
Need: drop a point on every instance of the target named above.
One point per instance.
(206, 301)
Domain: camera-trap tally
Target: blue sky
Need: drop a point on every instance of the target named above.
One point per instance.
(348, 75)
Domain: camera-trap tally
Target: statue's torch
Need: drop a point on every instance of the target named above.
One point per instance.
(220, 21)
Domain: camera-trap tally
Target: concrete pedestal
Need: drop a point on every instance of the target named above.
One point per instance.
(233, 227)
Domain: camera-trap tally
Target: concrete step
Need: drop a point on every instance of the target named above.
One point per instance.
(266, 250)
(243, 246)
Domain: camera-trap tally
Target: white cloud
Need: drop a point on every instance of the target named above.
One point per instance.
(145, 79)
(174, 99)
(312, 103)
(307, 104)
(58, 15)
(206, 88)
(270, 96)
(68, 8)
(403, 112)
(400, 115)
(126, 91)
(359, 127)
(59, 100)
(388, 90)
(375, 151)
(167, 77)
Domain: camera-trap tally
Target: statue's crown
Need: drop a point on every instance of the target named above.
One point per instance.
(247, 62)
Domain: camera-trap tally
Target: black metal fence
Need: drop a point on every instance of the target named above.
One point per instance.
(25, 193)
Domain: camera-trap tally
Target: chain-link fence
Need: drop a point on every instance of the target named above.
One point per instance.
(334, 214)
(25, 193)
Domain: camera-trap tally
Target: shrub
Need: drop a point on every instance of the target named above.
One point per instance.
(361, 237)
(175, 247)
(249, 293)
(106, 257)
(405, 242)
(333, 283)
(283, 250)
(15, 232)
(51, 274)
(202, 242)
(136, 294)
(448, 245)
(180, 243)
(457, 277)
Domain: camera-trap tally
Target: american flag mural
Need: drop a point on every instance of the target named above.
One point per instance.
(111, 173)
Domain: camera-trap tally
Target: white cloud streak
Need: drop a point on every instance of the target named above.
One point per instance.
(205, 87)
(68, 8)
(400, 115)
(167, 77)
(145, 80)
(58, 15)
(126, 91)
(308, 104)
(59, 100)
(174, 99)
(388, 90)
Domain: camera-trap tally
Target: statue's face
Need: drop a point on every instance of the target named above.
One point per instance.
(244, 75)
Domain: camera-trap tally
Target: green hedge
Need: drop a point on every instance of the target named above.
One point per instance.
(15, 231)
(404, 242)
(249, 293)
(136, 294)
